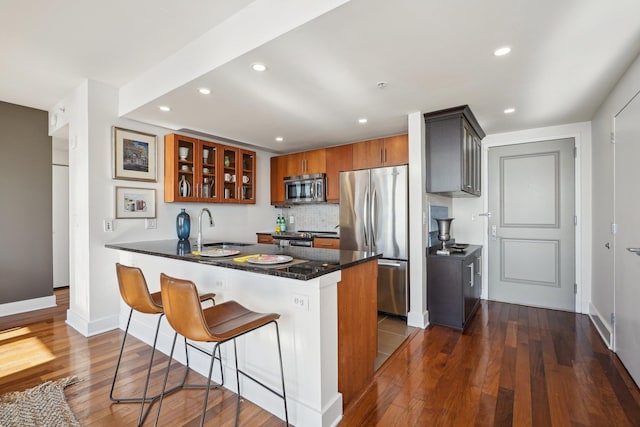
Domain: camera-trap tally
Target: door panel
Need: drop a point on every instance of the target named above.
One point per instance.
(627, 264)
(523, 186)
(535, 262)
(531, 231)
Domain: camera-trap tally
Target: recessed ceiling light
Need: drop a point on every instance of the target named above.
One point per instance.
(204, 91)
(279, 138)
(362, 120)
(164, 108)
(258, 67)
(502, 51)
(509, 110)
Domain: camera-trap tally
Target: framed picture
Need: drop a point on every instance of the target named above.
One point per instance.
(135, 202)
(134, 155)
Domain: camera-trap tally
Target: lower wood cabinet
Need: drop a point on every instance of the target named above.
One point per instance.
(265, 238)
(453, 286)
(326, 243)
(357, 329)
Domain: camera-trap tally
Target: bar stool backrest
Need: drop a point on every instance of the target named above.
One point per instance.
(134, 290)
(183, 310)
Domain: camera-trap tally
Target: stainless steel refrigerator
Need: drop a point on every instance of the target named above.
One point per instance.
(374, 206)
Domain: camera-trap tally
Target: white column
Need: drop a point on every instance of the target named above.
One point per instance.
(418, 315)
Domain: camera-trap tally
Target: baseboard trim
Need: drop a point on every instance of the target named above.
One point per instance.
(603, 327)
(24, 306)
(418, 320)
(90, 328)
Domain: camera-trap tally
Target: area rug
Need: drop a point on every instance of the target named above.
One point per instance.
(43, 405)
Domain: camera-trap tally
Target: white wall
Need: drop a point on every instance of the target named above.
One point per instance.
(469, 227)
(90, 112)
(603, 186)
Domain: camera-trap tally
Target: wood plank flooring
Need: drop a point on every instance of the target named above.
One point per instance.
(514, 365)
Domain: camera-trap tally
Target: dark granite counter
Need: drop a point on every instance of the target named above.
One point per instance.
(470, 249)
(308, 263)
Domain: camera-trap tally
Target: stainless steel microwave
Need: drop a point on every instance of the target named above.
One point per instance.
(305, 189)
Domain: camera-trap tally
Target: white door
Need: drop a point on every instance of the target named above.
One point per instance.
(60, 214)
(531, 228)
(627, 238)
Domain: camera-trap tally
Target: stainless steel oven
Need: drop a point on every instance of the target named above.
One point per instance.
(305, 189)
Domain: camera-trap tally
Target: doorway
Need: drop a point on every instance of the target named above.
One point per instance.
(626, 341)
(60, 211)
(531, 228)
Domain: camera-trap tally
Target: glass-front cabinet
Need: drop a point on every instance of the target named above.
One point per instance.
(207, 172)
(239, 175)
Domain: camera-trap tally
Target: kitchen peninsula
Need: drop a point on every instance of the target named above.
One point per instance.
(328, 325)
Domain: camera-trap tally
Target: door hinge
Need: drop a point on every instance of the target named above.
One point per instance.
(614, 228)
(613, 137)
(575, 288)
(613, 319)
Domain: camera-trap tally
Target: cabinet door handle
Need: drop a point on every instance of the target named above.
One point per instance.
(634, 250)
(472, 275)
(381, 156)
(385, 155)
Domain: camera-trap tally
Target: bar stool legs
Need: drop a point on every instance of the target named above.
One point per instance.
(283, 396)
(144, 398)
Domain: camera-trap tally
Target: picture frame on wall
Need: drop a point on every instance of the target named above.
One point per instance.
(134, 155)
(135, 202)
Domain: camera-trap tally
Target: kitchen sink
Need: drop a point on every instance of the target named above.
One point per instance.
(225, 244)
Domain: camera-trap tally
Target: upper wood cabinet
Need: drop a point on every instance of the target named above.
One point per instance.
(306, 163)
(278, 172)
(453, 152)
(190, 169)
(195, 171)
(339, 159)
(390, 151)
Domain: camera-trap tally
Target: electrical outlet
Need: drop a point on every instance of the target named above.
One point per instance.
(107, 225)
(292, 219)
(150, 223)
(301, 301)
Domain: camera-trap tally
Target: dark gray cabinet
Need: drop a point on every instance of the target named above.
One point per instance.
(453, 286)
(453, 152)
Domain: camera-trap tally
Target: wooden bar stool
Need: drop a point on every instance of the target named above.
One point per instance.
(135, 293)
(218, 324)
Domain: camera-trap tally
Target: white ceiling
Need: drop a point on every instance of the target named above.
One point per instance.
(324, 58)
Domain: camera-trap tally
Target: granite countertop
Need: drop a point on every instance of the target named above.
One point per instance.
(470, 249)
(308, 263)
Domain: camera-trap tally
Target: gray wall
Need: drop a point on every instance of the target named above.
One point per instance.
(26, 270)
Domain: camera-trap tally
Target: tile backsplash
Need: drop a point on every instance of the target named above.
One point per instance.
(321, 217)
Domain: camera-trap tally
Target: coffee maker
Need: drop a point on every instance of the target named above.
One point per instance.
(444, 234)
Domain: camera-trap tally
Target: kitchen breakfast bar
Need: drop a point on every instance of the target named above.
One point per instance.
(328, 318)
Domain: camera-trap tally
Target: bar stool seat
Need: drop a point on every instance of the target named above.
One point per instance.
(218, 324)
(135, 293)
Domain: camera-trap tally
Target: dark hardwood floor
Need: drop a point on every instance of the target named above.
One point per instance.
(514, 365)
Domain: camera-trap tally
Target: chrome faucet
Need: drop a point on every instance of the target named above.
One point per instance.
(199, 243)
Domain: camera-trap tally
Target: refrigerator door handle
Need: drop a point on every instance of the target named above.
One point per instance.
(390, 264)
(365, 216)
(373, 219)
